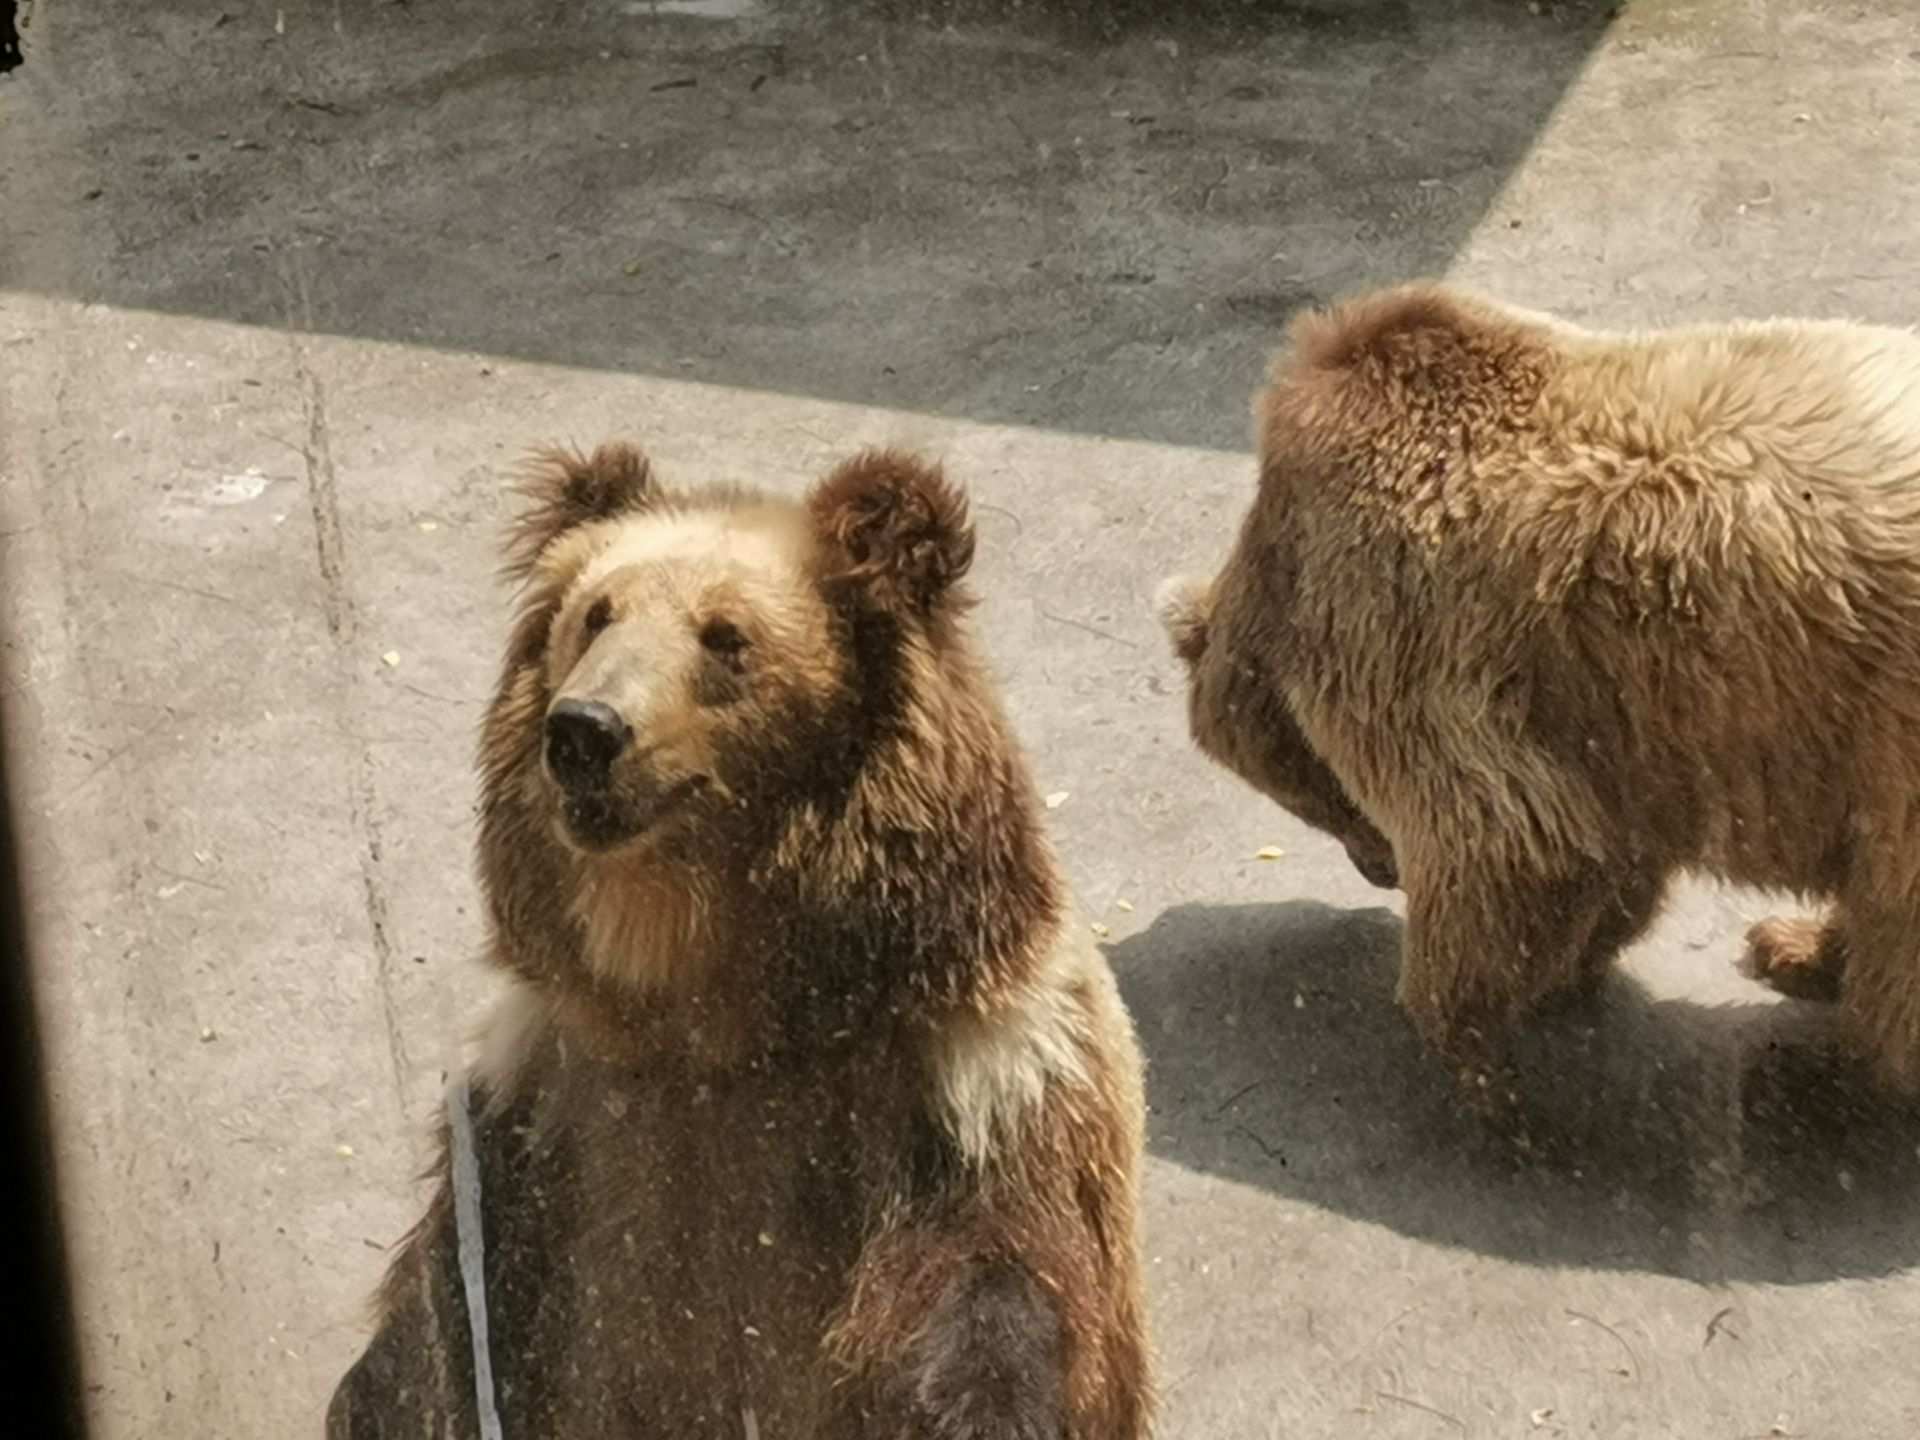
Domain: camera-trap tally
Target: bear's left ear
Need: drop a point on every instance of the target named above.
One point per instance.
(893, 524)
(1185, 606)
(563, 488)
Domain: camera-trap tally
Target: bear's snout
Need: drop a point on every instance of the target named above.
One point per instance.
(584, 738)
(1377, 866)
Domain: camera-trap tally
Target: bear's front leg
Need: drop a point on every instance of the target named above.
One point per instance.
(1486, 944)
(415, 1377)
(947, 1345)
(988, 1360)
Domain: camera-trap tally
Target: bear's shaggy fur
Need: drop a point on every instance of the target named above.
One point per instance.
(1240, 718)
(1565, 612)
(812, 1112)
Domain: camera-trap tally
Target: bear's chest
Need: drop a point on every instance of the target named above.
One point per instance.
(671, 1250)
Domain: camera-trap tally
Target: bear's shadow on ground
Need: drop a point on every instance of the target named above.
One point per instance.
(1711, 1143)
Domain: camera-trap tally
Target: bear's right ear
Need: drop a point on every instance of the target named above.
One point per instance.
(893, 524)
(1184, 606)
(563, 488)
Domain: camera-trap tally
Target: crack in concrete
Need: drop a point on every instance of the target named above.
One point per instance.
(330, 553)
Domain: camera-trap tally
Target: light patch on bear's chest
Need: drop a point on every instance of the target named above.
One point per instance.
(510, 1032)
(991, 1070)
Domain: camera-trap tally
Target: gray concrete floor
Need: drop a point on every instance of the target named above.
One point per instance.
(282, 289)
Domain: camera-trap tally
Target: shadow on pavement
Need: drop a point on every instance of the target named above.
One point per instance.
(1091, 217)
(1711, 1143)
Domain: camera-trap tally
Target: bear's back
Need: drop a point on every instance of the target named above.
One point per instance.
(1721, 528)
(1824, 401)
(1674, 573)
(1760, 476)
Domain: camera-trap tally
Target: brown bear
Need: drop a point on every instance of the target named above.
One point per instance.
(1564, 612)
(812, 1112)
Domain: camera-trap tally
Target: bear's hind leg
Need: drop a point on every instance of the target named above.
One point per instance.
(1802, 958)
(1880, 993)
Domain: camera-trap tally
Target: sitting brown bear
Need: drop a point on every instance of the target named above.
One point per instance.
(812, 1114)
(1565, 612)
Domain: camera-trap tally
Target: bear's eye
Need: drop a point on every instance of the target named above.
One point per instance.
(599, 616)
(723, 638)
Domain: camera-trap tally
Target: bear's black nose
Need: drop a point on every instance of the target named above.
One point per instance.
(584, 738)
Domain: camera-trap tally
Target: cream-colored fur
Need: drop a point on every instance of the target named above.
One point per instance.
(991, 1071)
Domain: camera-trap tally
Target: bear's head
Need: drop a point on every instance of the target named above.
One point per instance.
(700, 646)
(731, 722)
(1240, 719)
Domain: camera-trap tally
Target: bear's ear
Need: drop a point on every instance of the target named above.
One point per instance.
(1184, 606)
(893, 524)
(1383, 328)
(563, 488)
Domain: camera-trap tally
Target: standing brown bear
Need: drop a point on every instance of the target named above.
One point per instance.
(1564, 612)
(812, 1113)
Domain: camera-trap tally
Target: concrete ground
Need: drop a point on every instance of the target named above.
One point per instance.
(284, 288)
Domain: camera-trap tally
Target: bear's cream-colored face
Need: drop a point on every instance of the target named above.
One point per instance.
(687, 644)
(1239, 720)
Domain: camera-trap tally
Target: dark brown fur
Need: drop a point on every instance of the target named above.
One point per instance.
(1565, 612)
(833, 1128)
